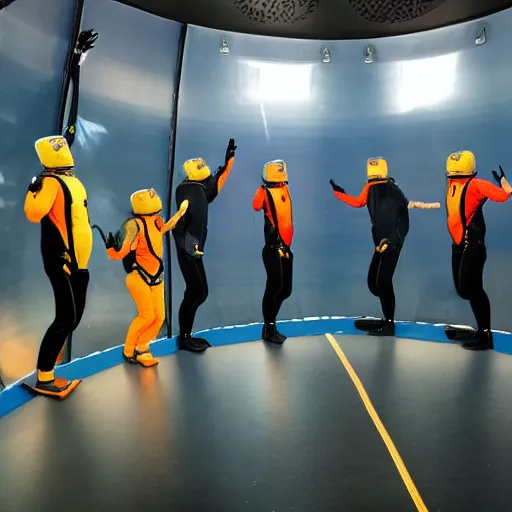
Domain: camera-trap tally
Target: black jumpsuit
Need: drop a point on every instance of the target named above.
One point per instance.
(389, 214)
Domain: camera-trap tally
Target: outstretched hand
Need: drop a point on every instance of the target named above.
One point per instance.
(86, 40)
(336, 188)
(500, 176)
(502, 180)
(230, 150)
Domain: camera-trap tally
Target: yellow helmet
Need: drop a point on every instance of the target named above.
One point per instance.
(460, 164)
(54, 152)
(275, 172)
(196, 169)
(376, 168)
(146, 202)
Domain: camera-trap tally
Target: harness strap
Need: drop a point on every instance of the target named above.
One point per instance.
(71, 261)
(273, 212)
(147, 277)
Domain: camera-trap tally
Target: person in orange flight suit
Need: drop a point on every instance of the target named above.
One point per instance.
(465, 197)
(139, 243)
(273, 197)
(58, 201)
(389, 214)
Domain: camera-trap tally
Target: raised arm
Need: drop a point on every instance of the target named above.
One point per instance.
(84, 43)
(40, 198)
(223, 172)
(171, 223)
(355, 202)
(499, 194)
(122, 242)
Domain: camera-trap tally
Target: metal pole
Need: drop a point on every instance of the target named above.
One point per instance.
(170, 173)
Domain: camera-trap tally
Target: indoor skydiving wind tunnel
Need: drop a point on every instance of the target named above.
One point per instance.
(343, 414)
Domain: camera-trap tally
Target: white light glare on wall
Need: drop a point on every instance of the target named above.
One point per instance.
(426, 82)
(281, 83)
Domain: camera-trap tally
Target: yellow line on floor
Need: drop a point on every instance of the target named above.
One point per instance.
(406, 477)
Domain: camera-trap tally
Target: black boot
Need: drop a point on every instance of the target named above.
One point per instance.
(386, 329)
(270, 334)
(482, 340)
(190, 344)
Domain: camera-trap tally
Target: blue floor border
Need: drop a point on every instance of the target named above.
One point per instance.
(15, 396)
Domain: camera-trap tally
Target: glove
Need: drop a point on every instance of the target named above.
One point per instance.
(86, 40)
(36, 184)
(499, 177)
(230, 151)
(110, 241)
(197, 252)
(183, 207)
(336, 188)
(382, 246)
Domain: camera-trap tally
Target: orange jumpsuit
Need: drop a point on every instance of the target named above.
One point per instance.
(139, 243)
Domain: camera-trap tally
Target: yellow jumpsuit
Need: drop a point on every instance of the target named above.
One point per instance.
(60, 206)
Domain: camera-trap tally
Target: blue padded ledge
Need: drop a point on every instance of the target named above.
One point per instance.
(15, 396)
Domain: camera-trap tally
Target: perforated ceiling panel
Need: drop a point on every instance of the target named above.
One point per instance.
(393, 11)
(277, 11)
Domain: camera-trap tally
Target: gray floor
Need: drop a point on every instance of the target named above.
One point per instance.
(261, 429)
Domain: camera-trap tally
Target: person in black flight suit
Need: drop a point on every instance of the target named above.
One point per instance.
(389, 214)
(199, 188)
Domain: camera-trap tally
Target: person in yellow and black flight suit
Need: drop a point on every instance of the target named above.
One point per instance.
(273, 197)
(389, 214)
(139, 243)
(200, 188)
(465, 197)
(58, 200)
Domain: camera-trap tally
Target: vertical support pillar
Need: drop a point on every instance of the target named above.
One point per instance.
(65, 356)
(170, 173)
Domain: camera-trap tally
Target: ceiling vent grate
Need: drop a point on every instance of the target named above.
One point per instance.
(277, 11)
(393, 11)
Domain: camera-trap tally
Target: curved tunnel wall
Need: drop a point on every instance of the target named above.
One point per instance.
(325, 120)
(126, 96)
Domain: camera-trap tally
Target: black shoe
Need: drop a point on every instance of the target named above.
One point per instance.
(270, 334)
(190, 344)
(482, 340)
(387, 329)
(368, 324)
(201, 343)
